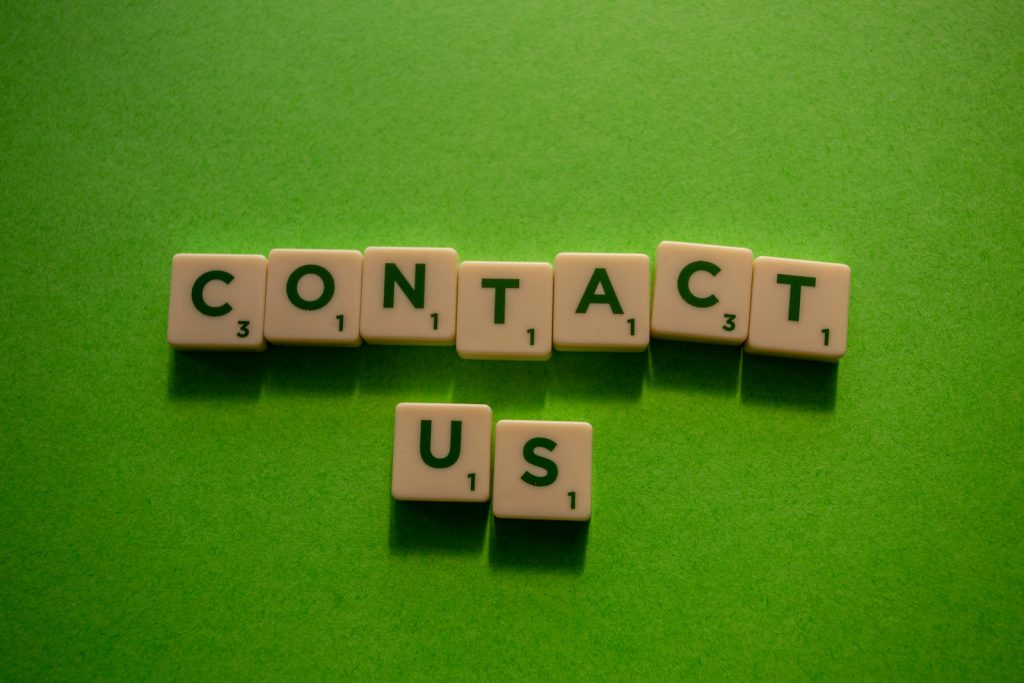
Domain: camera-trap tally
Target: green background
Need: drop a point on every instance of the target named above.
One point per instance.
(228, 516)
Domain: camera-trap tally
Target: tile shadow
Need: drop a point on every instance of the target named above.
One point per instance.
(312, 369)
(220, 375)
(413, 370)
(800, 383)
(513, 384)
(691, 366)
(537, 546)
(422, 527)
(598, 375)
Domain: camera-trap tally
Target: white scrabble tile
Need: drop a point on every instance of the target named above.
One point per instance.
(542, 470)
(799, 309)
(442, 452)
(313, 297)
(602, 302)
(409, 295)
(701, 293)
(504, 310)
(217, 302)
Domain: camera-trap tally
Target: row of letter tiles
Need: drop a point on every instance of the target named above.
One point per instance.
(510, 310)
(542, 469)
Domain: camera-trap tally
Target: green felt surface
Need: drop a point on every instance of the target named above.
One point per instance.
(228, 516)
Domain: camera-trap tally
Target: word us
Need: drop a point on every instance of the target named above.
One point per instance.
(510, 310)
(542, 469)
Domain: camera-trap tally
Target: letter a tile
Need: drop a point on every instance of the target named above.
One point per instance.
(602, 302)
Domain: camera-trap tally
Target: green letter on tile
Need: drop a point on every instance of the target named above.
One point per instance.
(795, 282)
(549, 466)
(197, 293)
(607, 295)
(393, 276)
(499, 285)
(292, 288)
(453, 449)
(684, 284)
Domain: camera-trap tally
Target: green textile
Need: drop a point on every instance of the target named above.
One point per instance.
(227, 516)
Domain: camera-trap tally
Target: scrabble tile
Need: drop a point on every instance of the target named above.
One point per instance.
(217, 302)
(504, 310)
(701, 293)
(409, 295)
(313, 297)
(799, 309)
(542, 470)
(602, 302)
(442, 452)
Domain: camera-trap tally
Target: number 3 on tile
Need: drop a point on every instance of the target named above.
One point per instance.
(730, 323)
(243, 329)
